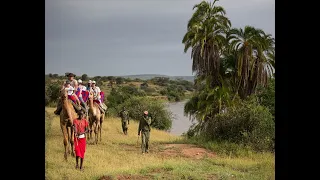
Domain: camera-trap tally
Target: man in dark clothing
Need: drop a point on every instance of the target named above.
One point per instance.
(144, 128)
(124, 120)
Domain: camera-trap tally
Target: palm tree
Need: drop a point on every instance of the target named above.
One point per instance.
(263, 62)
(206, 37)
(252, 65)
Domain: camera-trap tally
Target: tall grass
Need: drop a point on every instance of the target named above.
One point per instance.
(118, 154)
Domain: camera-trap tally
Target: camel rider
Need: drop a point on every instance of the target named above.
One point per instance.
(89, 86)
(96, 95)
(73, 83)
(79, 91)
(71, 92)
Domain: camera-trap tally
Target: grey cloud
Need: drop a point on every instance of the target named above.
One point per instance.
(132, 37)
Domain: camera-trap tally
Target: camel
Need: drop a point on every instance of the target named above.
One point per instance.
(95, 119)
(67, 115)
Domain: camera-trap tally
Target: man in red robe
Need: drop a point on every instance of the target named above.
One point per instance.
(80, 129)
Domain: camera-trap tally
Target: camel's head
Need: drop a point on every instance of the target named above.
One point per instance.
(90, 95)
(64, 94)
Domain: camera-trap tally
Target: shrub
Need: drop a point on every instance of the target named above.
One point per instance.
(161, 117)
(266, 96)
(52, 92)
(246, 123)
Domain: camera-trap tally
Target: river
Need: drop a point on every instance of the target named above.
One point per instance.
(180, 123)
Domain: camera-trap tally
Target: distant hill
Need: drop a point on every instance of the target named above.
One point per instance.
(150, 76)
(145, 76)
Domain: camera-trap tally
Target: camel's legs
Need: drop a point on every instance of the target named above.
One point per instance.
(90, 129)
(88, 133)
(95, 127)
(65, 139)
(100, 129)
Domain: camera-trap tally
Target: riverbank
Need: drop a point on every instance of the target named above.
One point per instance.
(180, 123)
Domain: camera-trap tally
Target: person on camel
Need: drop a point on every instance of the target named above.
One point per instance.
(97, 97)
(73, 83)
(89, 86)
(71, 92)
(79, 91)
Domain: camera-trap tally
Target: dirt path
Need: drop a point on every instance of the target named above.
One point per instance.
(185, 150)
(165, 151)
(175, 150)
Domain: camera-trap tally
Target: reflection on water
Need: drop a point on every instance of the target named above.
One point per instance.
(180, 123)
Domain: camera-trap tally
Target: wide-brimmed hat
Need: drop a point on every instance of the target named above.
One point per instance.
(90, 81)
(93, 82)
(145, 112)
(80, 81)
(70, 74)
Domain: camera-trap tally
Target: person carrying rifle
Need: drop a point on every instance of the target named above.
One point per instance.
(124, 115)
(80, 126)
(144, 128)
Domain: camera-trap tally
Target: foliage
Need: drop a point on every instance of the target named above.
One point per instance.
(120, 94)
(266, 96)
(246, 122)
(160, 81)
(52, 92)
(119, 80)
(161, 117)
(84, 77)
(231, 64)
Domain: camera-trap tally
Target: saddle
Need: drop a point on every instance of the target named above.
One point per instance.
(100, 108)
(76, 106)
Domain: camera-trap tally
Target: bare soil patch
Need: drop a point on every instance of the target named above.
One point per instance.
(174, 150)
(185, 150)
(124, 177)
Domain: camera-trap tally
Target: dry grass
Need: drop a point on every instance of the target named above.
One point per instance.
(118, 156)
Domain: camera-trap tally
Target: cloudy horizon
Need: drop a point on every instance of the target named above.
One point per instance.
(126, 37)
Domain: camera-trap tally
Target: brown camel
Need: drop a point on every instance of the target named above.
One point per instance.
(95, 119)
(67, 115)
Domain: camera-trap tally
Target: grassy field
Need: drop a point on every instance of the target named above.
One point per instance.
(119, 157)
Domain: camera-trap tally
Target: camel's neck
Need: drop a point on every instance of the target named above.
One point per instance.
(93, 108)
(67, 107)
(91, 103)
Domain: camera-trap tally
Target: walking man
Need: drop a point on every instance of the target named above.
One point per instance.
(144, 129)
(80, 129)
(124, 115)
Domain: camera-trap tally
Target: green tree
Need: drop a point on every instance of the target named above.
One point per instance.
(84, 77)
(252, 65)
(206, 35)
(119, 80)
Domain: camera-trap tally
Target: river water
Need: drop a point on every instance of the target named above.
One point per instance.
(180, 123)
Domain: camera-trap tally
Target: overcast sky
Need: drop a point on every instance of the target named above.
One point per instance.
(127, 37)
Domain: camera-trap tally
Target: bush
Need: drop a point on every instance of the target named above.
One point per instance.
(52, 92)
(266, 96)
(121, 94)
(149, 90)
(161, 117)
(246, 123)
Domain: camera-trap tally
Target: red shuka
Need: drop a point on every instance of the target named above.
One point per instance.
(80, 143)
